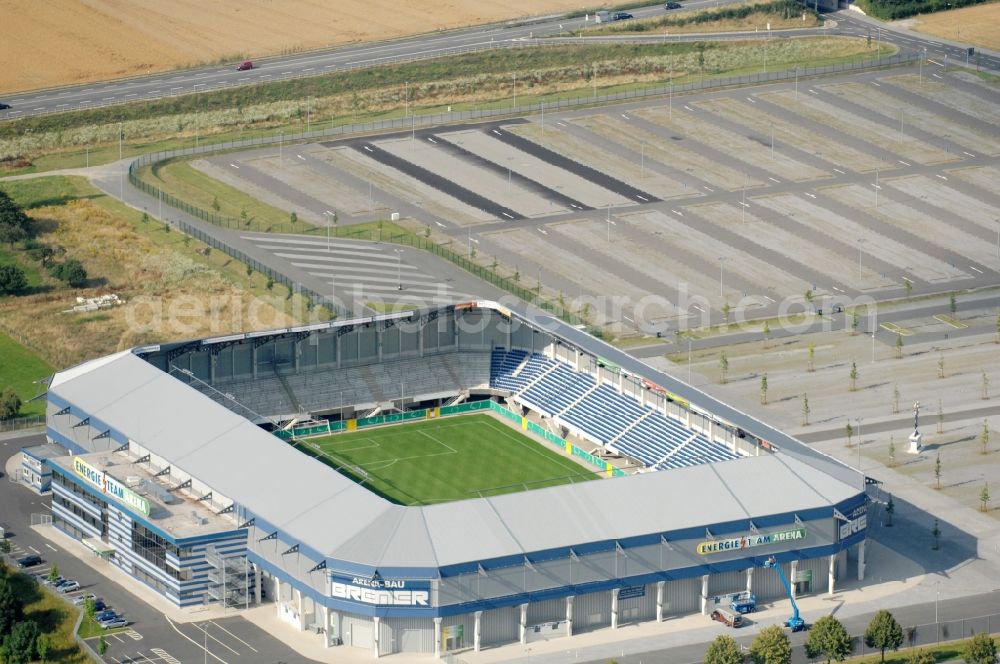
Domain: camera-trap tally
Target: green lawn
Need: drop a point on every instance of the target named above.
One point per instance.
(435, 461)
(19, 368)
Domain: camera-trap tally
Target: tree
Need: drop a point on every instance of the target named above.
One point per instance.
(985, 387)
(90, 607)
(166, 228)
(71, 272)
(808, 296)
(145, 218)
(909, 287)
(54, 572)
(984, 498)
(854, 375)
(941, 365)
(10, 404)
(249, 271)
(723, 366)
(805, 410)
(763, 389)
(829, 639)
(771, 646)
(11, 607)
(102, 646)
(854, 322)
(723, 650)
(293, 218)
(984, 437)
(899, 346)
(892, 451)
(895, 398)
(726, 308)
(766, 330)
(12, 280)
(936, 534)
(981, 649)
(952, 304)
(848, 431)
(937, 471)
(998, 329)
(812, 357)
(19, 646)
(920, 656)
(940, 418)
(270, 283)
(215, 204)
(43, 644)
(890, 508)
(884, 632)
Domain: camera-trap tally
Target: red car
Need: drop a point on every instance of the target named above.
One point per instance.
(245, 65)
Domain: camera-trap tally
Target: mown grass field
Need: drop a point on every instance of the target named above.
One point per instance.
(19, 369)
(53, 615)
(434, 461)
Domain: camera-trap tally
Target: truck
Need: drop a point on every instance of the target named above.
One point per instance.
(744, 602)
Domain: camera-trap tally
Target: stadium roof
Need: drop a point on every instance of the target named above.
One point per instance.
(302, 496)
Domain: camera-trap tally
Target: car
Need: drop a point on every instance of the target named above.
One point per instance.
(672, 5)
(117, 621)
(84, 597)
(106, 614)
(52, 582)
(3, 106)
(29, 561)
(621, 16)
(69, 587)
(244, 66)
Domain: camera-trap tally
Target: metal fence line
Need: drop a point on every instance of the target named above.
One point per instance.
(508, 284)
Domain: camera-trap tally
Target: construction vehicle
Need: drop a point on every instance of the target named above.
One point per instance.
(795, 623)
(744, 602)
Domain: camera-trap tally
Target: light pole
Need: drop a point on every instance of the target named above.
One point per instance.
(861, 241)
(399, 268)
(859, 447)
(772, 141)
(515, 90)
(743, 203)
(901, 125)
(876, 188)
(722, 260)
(610, 223)
(281, 148)
(330, 222)
(998, 237)
(874, 330)
(689, 360)
(121, 136)
(642, 161)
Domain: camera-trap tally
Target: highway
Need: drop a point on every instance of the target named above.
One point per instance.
(424, 46)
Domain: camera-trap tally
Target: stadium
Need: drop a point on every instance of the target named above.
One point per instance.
(452, 478)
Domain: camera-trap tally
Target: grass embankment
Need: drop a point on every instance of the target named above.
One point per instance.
(779, 14)
(977, 26)
(54, 618)
(19, 369)
(896, 9)
(448, 459)
(173, 286)
(476, 80)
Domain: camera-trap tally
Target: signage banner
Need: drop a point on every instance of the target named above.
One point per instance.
(108, 484)
(738, 543)
(379, 591)
(631, 592)
(855, 525)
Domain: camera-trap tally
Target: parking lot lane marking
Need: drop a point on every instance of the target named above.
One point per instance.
(774, 179)
(164, 655)
(495, 131)
(51, 547)
(968, 153)
(642, 198)
(211, 636)
(431, 139)
(233, 635)
(813, 91)
(440, 224)
(234, 165)
(300, 157)
(626, 117)
(904, 163)
(207, 651)
(973, 267)
(134, 635)
(679, 214)
(707, 188)
(34, 549)
(561, 124)
(941, 176)
(810, 195)
(543, 231)
(688, 108)
(368, 148)
(751, 100)
(840, 171)
(876, 84)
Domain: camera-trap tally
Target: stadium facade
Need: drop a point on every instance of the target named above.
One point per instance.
(175, 478)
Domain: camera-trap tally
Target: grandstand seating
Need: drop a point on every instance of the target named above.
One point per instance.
(553, 388)
(324, 389)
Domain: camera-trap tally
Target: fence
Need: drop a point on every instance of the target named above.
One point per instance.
(19, 423)
(509, 284)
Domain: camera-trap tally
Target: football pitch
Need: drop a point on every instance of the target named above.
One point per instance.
(434, 461)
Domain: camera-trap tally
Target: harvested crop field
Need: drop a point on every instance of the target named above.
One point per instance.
(978, 25)
(60, 42)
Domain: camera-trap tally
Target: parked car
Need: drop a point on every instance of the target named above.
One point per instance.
(106, 614)
(672, 5)
(621, 16)
(728, 618)
(69, 587)
(244, 66)
(83, 598)
(112, 624)
(29, 561)
(3, 106)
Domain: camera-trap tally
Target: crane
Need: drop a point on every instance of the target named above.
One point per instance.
(795, 623)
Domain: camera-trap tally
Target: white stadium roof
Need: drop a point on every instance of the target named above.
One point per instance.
(315, 505)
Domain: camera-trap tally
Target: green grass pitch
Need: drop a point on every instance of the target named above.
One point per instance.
(434, 461)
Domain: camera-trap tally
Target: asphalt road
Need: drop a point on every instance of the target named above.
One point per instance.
(151, 637)
(429, 45)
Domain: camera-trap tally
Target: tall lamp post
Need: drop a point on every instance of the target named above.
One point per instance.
(399, 268)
